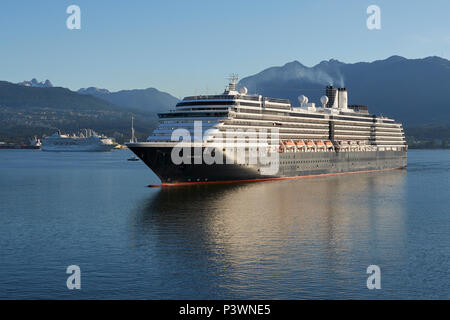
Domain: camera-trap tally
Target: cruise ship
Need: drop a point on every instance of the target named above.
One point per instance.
(88, 140)
(310, 140)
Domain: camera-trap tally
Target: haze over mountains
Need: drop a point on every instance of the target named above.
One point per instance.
(412, 91)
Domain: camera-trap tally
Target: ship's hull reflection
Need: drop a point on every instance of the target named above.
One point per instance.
(278, 239)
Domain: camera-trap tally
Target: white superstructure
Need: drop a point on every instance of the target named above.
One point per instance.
(88, 140)
(335, 123)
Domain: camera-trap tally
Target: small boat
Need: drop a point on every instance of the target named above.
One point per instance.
(133, 158)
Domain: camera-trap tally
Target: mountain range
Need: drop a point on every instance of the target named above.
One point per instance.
(415, 92)
(412, 91)
(28, 110)
(34, 83)
(24, 96)
(149, 99)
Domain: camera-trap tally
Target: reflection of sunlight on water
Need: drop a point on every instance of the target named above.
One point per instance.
(281, 237)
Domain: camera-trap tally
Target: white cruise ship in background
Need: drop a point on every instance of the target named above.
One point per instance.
(88, 140)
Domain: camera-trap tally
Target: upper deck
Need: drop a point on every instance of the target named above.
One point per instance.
(334, 104)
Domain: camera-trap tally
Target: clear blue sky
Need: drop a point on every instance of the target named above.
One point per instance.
(187, 47)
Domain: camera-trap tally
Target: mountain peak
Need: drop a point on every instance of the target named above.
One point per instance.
(395, 58)
(149, 99)
(34, 83)
(330, 62)
(436, 59)
(93, 91)
(294, 63)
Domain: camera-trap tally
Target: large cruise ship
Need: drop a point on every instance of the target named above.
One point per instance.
(304, 140)
(88, 140)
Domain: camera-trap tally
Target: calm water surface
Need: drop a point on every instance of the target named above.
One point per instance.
(297, 239)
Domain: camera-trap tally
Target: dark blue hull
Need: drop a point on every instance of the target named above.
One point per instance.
(290, 164)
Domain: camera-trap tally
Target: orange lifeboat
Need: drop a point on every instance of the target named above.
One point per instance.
(320, 144)
(310, 143)
(288, 143)
(328, 143)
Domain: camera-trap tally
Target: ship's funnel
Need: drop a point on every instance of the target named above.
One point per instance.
(343, 99)
(333, 96)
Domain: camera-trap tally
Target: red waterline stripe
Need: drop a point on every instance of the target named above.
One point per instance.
(174, 184)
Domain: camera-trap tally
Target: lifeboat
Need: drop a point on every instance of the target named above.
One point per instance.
(329, 145)
(300, 145)
(320, 144)
(288, 143)
(310, 145)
